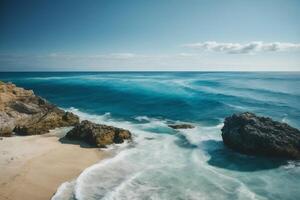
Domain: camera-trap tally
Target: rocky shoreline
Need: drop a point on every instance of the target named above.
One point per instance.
(24, 113)
(33, 166)
(26, 159)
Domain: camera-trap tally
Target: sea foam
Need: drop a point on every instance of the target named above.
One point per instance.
(156, 168)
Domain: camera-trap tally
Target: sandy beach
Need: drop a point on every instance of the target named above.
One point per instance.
(33, 167)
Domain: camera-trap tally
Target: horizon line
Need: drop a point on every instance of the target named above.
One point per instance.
(109, 71)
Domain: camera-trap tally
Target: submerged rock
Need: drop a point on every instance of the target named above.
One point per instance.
(24, 113)
(254, 135)
(98, 134)
(181, 126)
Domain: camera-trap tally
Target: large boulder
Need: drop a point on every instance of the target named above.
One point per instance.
(24, 113)
(97, 134)
(254, 135)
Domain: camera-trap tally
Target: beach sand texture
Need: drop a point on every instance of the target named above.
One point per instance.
(33, 167)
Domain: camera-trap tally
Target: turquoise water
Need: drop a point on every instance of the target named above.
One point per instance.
(163, 163)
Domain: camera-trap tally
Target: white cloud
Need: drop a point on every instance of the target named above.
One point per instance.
(251, 47)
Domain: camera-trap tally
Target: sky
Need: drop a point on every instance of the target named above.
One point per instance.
(143, 35)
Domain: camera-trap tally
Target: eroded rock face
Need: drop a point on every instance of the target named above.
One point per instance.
(250, 134)
(97, 134)
(24, 113)
(181, 126)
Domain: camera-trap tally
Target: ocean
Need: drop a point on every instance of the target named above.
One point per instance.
(166, 164)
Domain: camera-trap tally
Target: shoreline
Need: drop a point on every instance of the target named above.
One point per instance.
(33, 167)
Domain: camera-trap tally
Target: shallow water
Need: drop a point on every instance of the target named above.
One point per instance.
(163, 163)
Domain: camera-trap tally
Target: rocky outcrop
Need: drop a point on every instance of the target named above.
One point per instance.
(181, 126)
(97, 134)
(254, 135)
(24, 113)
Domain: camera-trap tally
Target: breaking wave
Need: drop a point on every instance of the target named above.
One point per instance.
(162, 163)
(167, 164)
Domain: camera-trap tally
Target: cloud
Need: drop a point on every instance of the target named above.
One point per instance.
(251, 47)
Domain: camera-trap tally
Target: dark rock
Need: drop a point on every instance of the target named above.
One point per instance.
(254, 135)
(181, 126)
(97, 134)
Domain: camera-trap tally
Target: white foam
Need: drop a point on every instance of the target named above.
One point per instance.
(65, 191)
(285, 118)
(142, 118)
(156, 167)
(198, 134)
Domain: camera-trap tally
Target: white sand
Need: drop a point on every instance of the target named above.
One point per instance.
(33, 167)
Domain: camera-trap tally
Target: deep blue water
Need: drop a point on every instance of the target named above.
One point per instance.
(168, 164)
(198, 97)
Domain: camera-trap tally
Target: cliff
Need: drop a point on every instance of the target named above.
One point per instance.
(24, 113)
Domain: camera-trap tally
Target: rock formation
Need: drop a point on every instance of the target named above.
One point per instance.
(97, 134)
(181, 126)
(24, 113)
(254, 135)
